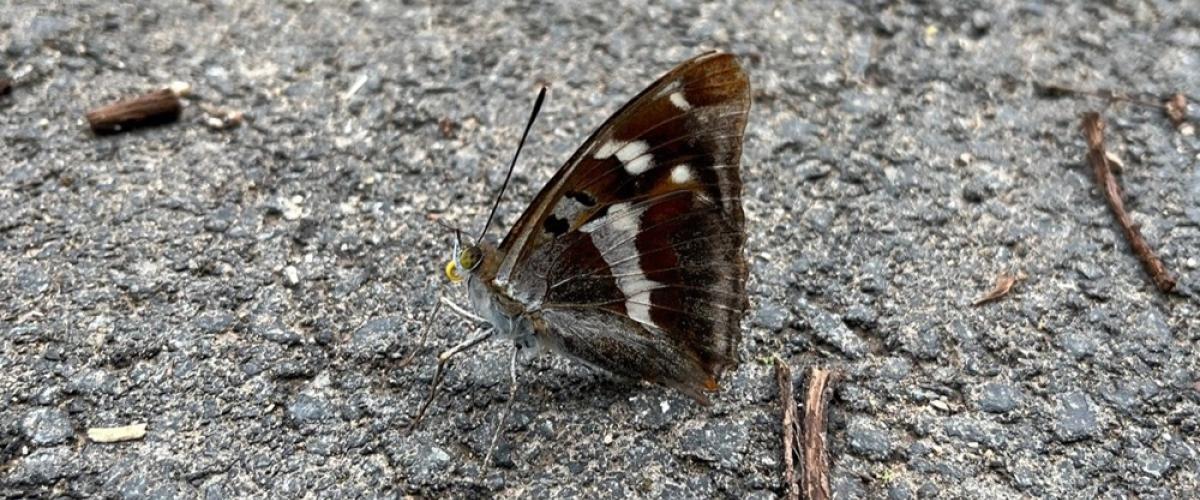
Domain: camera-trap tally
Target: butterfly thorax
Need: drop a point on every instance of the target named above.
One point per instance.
(507, 315)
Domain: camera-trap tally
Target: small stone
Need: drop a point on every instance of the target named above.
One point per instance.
(291, 276)
(926, 344)
(376, 336)
(219, 221)
(830, 329)
(771, 316)
(308, 408)
(1152, 463)
(45, 466)
(292, 208)
(997, 397)
(866, 438)
(1075, 417)
(719, 441)
(47, 426)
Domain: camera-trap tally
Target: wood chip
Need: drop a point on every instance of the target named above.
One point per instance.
(815, 480)
(116, 434)
(1004, 284)
(155, 108)
(787, 400)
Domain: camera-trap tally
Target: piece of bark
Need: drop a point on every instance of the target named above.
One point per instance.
(155, 108)
(815, 480)
(1093, 132)
(787, 400)
(116, 434)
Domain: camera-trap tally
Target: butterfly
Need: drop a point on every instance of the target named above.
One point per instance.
(630, 259)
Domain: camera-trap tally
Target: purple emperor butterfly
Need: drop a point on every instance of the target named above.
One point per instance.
(630, 259)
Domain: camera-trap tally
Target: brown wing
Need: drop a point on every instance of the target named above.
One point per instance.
(645, 222)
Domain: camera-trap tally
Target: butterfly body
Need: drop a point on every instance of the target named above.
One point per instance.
(631, 258)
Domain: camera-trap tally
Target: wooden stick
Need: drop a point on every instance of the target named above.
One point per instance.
(155, 108)
(816, 464)
(1093, 132)
(787, 399)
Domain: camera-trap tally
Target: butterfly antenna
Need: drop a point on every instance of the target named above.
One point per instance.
(537, 106)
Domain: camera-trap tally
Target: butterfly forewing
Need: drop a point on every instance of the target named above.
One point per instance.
(642, 232)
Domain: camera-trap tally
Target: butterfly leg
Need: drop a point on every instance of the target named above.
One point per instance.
(512, 396)
(460, 310)
(424, 333)
(443, 361)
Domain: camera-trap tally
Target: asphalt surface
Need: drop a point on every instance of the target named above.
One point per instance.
(250, 294)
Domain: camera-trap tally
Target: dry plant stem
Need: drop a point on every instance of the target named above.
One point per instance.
(429, 322)
(787, 399)
(443, 361)
(816, 464)
(1054, 90)
(512, 396)
(155, 108)
(1093, 132)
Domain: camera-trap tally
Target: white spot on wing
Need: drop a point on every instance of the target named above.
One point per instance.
(607, 149)
(680, 102)
(681, 174)
(614, 236)
(639, 165)
(631, 151)
(635, 158)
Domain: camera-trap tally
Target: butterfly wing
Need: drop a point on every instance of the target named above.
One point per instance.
(632, 254)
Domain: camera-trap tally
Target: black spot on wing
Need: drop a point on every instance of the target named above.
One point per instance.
(556, 225)
(582, 197)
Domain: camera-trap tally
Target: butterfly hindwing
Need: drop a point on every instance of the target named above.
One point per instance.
(641, 234)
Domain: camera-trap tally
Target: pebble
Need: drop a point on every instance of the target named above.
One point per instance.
(1075, 417)
(869, 439)
(47, 426)
(997, 397)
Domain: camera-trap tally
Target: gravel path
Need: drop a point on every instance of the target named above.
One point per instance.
(250, 293)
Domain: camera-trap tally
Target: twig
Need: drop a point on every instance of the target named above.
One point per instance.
(443, 361)
(1093, 132)
(783, 376)
(512, 396)
(155, 108)
(1053, 90)
(816, 464)
(1004, 284)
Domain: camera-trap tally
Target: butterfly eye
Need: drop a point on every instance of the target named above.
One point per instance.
(470, 257)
